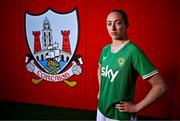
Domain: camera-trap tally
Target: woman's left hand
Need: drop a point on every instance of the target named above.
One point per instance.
(125, 106)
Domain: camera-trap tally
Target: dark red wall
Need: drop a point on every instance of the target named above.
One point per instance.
(154, 26)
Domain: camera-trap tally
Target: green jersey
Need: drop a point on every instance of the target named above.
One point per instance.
(119, 71)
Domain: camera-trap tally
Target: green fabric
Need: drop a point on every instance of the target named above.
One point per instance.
(119, 72)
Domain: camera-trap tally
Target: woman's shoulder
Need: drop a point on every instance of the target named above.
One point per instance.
(133, 47)
(107, 47)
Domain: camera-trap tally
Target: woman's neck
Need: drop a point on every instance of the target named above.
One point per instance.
(118, 42)
(117, 45)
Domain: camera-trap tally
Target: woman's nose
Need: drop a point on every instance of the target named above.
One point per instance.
(113, 27)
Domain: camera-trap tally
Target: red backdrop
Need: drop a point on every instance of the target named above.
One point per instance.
(154, 26)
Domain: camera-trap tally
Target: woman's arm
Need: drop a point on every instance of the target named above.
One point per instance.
(99, 77)
(158, 89)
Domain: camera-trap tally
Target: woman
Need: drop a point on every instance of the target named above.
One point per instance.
(120, 64)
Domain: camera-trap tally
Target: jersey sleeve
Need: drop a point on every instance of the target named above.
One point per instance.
(101, 57)
(142, 65)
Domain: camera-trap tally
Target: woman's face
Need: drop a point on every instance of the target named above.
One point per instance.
(116, 26)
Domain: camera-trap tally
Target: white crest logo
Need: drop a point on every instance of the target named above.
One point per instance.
(52, 39)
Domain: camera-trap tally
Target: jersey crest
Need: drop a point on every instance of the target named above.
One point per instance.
(121, 61)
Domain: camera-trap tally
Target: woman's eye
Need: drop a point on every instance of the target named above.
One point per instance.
(119, 23)
(109, 24)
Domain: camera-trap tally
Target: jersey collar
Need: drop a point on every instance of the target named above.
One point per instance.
(121, 47)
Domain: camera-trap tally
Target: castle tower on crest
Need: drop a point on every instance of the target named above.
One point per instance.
(46, 34)
(66, 43)
(37, 45)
